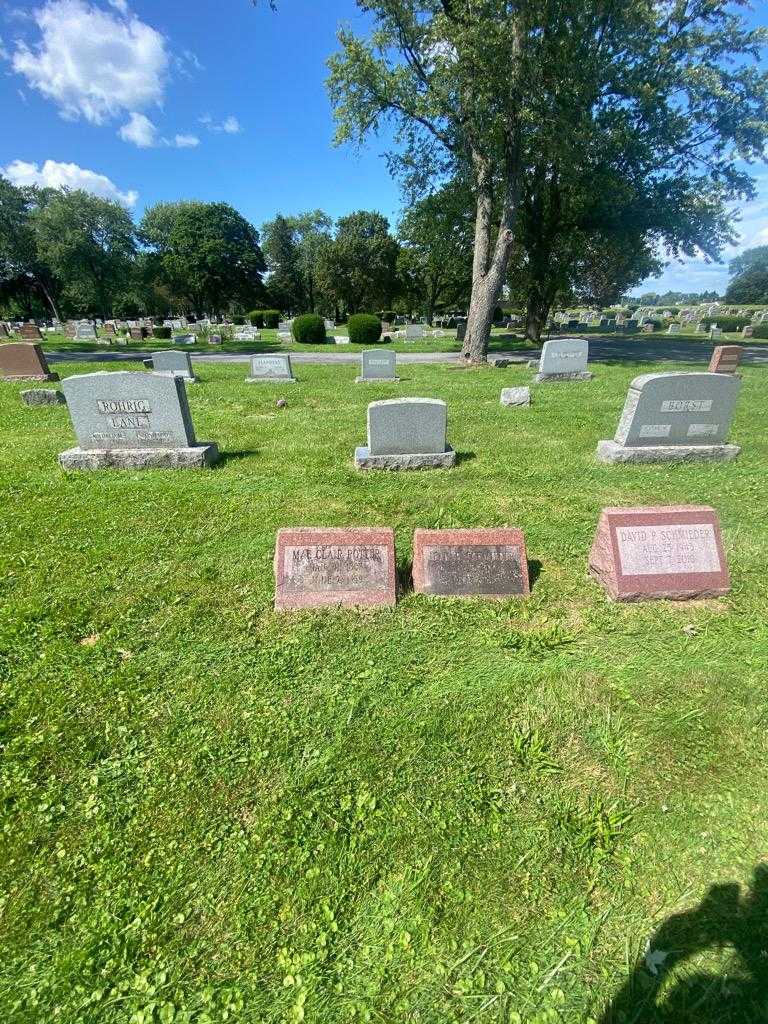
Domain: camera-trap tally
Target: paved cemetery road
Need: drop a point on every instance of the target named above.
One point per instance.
(605, 350)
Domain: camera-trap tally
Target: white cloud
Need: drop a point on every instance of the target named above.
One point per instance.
(186, 141)
(119, 5)
(58, 175)
(92, 63)
(139, 130)
(230, 125)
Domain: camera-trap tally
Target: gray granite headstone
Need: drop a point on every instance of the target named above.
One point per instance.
(377, 364)
(413, 331)
(564, 359)
(406, 433)
(271, 367)
(132, 420)
(171, 361)
(85, 332)
(670, 416)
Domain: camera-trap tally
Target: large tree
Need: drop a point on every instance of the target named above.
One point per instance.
(481, 86)
(357, 269)
(23, 273)
(286, 285)
(749, 272)
(89, 244)
(208, 253)
(435, 262)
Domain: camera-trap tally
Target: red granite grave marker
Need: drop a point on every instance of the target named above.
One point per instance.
(317, 566)
(470, 563)
(725, 359)
(672, 551)
(23, 360)
(30, 332)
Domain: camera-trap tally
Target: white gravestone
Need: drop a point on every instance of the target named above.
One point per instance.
(406, 433)
(564, 359)
(268, 368)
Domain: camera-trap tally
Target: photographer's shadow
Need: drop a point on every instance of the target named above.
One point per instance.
(724, 917)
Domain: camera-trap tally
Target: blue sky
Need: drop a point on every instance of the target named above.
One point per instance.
(154, 100)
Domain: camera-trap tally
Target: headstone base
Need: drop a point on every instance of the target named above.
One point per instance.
(43, 396)
(25, 376)
(433, 460)
(270, 380)
(200, 456)
(544, 378)
(612, 452)
(515, 396)
(377, 380)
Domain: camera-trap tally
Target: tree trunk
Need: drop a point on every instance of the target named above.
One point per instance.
(48, 298)
(537, 311)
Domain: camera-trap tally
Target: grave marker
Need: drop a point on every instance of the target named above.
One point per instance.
(131, 420)
(171, 361)
(564, 359)
(23, 360)
(725, 359)
(671, 552)
(406, 433)
(271, 368)
(377, 364)
(30, 332)
(470, 563)
(670, 417)
(317, 567)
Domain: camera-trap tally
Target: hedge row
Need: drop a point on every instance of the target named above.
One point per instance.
(264, 318)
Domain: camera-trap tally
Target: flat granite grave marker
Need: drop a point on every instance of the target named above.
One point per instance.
(132, 420)
(171, 361)
(725, 359)
(515, 396)
(670, 417)
(406, 433)
(564, 359)
(377, 364)
(275, 368)
(23, 360)
(470, 563)
(43, 396)
(317, 567)
(673, 551)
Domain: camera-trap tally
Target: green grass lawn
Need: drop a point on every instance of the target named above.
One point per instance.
(450, 811)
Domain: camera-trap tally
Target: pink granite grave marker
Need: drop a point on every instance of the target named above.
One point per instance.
(470, 563)
(725, 359)
(350, 567)
(672, 551)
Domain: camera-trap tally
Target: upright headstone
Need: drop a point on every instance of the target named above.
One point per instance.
(130, 420)
(470, 563)
(377, 364)
(647, 328)
(671, 551)
(414, 331)
(748, 331)
(85, 332)
(185, 339)
(461, 330)
(171, 361)
(673, 329)
(268, 368)
(109, 328)
(30, 332)
(669, 417)
(317, 567)
(406, 433)
(564, 359)
(715, 332)
(23, 360)
(725, 359)
(3, 331)
(137, 333)
(214, 339)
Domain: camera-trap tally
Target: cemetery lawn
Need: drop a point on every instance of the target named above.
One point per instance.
(450, 811)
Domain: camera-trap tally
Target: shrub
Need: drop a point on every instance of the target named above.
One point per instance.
(388, 315)
(256, 317)
(309, 329)
(761, 331)
(162, 333)
(238, 321)
(271, 317)
(364, 329)
(727, 323)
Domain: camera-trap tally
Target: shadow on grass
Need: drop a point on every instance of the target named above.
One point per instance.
(464, 457)
(724, 917)
(534, 571)
(245, 453)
